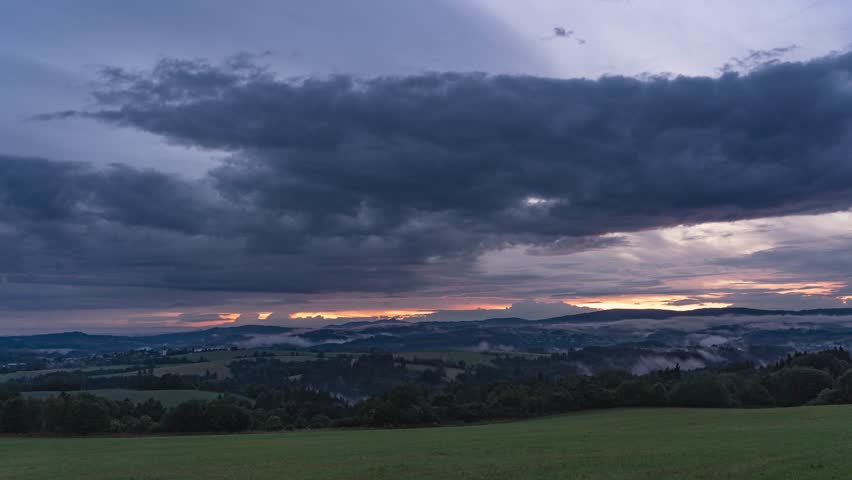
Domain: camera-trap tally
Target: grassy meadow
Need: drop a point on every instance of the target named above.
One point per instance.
(793, 443)
(217, 361)
(228, 355)
(4, 377)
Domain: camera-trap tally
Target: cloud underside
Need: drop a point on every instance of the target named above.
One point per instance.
(393, 184)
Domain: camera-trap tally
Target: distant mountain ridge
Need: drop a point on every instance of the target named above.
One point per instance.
(106, 343)
(395, 334)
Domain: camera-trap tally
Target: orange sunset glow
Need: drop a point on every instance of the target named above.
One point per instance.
(802, 288)
(644, 301)
(391, 313)
(224, 319)
(711, 299)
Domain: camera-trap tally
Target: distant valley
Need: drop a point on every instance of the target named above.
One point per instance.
(638, 341)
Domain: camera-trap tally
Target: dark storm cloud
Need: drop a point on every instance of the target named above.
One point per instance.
(393, 183)
(606, 155)
(68, 223)
(36, 190)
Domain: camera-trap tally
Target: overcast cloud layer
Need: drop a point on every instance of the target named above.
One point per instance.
(480, 189)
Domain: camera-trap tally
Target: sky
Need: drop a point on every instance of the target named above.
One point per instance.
(176, 165)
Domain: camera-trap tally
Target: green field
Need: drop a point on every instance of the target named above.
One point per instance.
(216, 361)
(218, 355)
(4, 377)
(793, 443)
(168, 398)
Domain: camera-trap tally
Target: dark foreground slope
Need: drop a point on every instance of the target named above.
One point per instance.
(794, 443)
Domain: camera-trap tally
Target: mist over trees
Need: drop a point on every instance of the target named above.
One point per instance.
(378, 390)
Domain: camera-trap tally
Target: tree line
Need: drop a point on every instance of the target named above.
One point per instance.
(513, 387)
